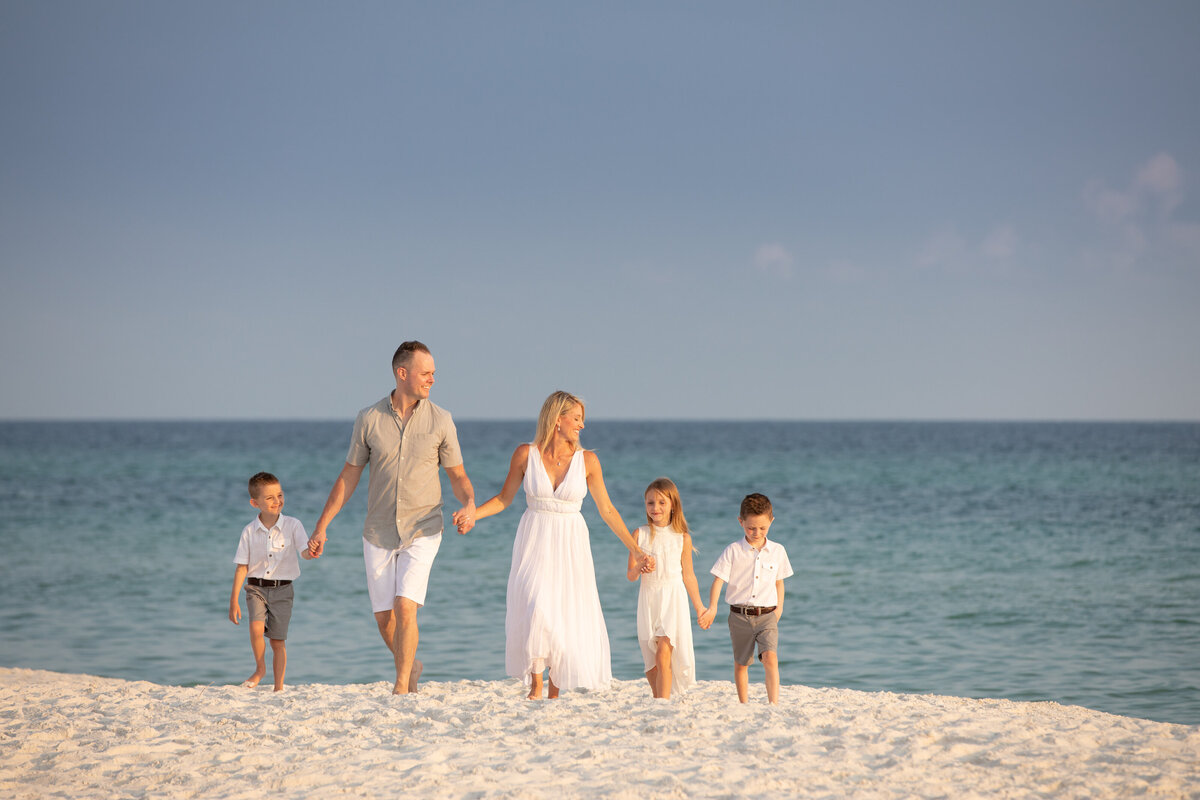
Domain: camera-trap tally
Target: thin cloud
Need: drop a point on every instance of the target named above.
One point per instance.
(951, 251)
(1136, 221)
(774, 259)
(1157, 185)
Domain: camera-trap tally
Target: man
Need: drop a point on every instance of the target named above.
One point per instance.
(404, 438)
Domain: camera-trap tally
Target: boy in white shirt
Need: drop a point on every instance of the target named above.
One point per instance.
(267, 561)
(755, 569)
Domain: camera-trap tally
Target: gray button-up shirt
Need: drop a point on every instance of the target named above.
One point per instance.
(404, 495)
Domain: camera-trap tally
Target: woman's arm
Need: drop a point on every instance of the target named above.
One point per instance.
(516, 474)
(632, 571)
(608, 512)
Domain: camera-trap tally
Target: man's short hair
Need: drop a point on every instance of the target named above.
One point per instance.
(258, 481)
(404, 354)
(756, 504)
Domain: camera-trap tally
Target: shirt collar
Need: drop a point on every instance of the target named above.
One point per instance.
(385, 406)
(278, 524)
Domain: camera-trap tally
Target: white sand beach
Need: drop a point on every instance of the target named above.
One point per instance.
(78, 736)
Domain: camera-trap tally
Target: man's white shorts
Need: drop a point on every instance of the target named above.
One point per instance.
(403, 572)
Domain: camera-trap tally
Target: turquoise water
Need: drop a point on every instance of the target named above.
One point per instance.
(1030, 561)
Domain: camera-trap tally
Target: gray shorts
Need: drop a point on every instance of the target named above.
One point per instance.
(273, 605)
(746, 631)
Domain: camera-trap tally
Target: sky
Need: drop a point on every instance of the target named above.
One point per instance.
(676, 210)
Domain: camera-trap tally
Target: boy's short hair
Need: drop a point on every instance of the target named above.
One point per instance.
(258, 481)
(755, 504)
(404, 354)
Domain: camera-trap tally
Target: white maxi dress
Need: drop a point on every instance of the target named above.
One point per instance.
(664, 608)
(553, 617)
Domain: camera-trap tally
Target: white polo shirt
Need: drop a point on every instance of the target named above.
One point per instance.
(750, 574)
(272, 553)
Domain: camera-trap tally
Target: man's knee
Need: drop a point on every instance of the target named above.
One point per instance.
(406, 610)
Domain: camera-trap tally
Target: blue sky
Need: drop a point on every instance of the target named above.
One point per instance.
(919, 210)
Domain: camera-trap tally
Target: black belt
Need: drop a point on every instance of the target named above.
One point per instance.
(267, 582)
(752, 611)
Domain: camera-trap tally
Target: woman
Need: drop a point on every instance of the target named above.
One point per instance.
(553, 619)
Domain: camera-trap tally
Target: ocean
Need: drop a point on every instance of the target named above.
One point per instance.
(1028, 561)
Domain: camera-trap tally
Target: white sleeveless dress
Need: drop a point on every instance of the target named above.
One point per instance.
(664, 608)
(553, 617)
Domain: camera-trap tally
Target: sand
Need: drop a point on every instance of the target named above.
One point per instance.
(78, 736)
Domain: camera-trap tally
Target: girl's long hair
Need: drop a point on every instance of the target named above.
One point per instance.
(677, 521)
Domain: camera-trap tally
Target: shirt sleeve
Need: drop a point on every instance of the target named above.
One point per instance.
(785, 566)
(298, 534)
(360, 452)
(449, 453)
(243, 549)
(724, 561)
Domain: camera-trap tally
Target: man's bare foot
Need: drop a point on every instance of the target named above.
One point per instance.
(253, 680)
(411, 686)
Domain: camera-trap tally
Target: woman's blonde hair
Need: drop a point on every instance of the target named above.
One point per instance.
(677, 522)
(555, 406)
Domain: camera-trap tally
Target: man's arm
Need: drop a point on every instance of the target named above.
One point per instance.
(460, 484)
(342, 489)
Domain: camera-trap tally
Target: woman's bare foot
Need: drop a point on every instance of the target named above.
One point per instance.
(535, 691)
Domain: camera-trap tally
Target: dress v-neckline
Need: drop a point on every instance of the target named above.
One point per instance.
(546, 472)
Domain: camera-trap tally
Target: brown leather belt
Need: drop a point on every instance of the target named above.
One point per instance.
(267, 582)
(752, 611)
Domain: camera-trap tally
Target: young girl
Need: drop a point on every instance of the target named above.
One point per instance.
(664, 626)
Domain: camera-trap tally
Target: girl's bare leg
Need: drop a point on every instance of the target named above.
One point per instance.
(535, 688)
(662, 664)
(553, 693)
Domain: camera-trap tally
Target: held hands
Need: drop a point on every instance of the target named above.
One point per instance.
(705, 618)
(316, 544)
(646, 563)
(464, 518)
